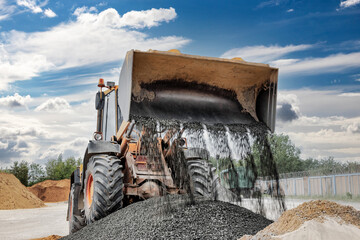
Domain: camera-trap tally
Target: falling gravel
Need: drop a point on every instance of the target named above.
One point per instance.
(173, 217)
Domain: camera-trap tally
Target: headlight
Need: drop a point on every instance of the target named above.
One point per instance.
(98, 136)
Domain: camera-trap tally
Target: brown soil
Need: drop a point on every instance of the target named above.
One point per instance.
(51, 237)
(51, 190)
(292, 219)
(14, 195)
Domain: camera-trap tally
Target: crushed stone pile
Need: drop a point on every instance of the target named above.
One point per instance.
(14, 195)
(171, 217)
(295, 223)
(51, 190)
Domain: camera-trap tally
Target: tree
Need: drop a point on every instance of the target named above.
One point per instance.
(285, 154)
(57, 169)
(21, 171)
(36, 174)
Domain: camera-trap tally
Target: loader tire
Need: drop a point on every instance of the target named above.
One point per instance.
(103, 190)
(204, 181)
(76, 219)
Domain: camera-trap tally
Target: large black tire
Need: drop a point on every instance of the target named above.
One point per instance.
(76, 219)
(104, 178)
(204, 181)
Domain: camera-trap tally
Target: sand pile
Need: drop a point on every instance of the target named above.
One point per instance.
(14, 195)
(51, 190)
(51, 237)
(315, 218)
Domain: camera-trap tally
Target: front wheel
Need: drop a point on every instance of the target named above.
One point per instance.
(76, 219)
(103, 191)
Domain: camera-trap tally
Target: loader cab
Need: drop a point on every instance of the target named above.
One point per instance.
(109, 114)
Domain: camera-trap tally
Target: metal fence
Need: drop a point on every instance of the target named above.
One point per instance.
(335, 185)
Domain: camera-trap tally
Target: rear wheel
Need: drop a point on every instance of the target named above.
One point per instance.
(76, 219)
(204, 181)
(103, 191)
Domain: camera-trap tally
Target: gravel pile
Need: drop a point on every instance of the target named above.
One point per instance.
(173, 217)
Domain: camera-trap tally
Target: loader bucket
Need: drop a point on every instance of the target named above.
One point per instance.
(170, 85)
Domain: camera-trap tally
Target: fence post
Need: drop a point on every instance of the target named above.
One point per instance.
(295, 186)
(334, 185)
(349, 182)
(321, 189)
(309, 186)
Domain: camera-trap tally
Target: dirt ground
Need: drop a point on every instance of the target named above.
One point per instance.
(34, 223)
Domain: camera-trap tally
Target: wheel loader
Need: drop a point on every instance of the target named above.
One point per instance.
(118, 170)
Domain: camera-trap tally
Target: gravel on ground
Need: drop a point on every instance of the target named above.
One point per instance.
(173, 217)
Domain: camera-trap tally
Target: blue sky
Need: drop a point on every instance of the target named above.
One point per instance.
(53, 52)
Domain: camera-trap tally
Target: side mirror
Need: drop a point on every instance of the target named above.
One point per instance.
(99, 101)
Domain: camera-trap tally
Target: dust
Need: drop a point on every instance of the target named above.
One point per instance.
(230, 148)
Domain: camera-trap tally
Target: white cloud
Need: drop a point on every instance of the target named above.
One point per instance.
(75, 148)
(264, 53)
(328, 124)
(49, 13)
(287, 107)
(147, 18)
(350, 94)
(6, 10)
(290, 10)
(54, 105)
(353, 127)
(14, 101)
(332, 63)
(47, 133)
(283, 62)
(84, 9)
(349, 3)
(30, 4)
(92, 38)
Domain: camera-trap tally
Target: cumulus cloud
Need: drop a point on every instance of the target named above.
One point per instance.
(14, 101)
(287, 108)
(264, 53)
(285, 112)
(54, 105)
(49, 13)
(328, 124)
(349, 3)
(92, 38)
(147, 18)
(290, 10)
(353, 127)
(75, 148)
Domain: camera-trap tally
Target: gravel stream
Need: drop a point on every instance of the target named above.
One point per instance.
(172, 217)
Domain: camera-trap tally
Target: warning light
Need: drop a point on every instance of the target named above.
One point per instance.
(101, 83)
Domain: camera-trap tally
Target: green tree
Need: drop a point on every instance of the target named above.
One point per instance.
(57, 169)
(21, 171)
(36, 174)
(285, 154)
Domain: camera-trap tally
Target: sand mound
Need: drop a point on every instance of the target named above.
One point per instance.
(323, 212)
(51, 237)
(14, 195)
(51, 190)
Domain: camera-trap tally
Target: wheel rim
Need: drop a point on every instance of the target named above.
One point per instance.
(90, 189)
